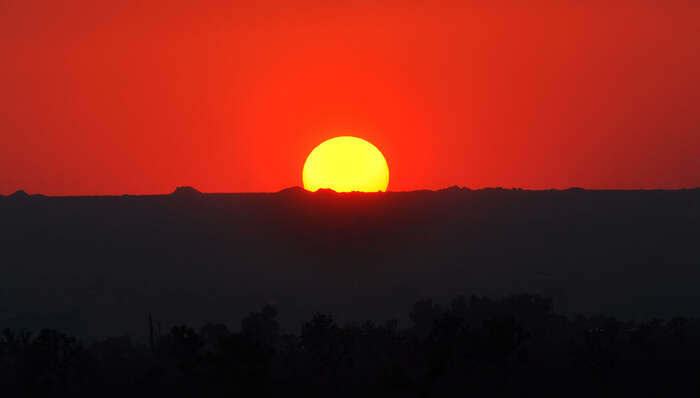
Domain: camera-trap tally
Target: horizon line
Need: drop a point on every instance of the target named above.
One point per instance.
(185, 190)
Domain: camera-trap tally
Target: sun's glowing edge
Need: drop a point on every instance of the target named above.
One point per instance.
(346, 164)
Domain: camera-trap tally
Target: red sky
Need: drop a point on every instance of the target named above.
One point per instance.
(112, 97)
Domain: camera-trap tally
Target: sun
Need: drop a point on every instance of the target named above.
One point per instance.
(346, 164)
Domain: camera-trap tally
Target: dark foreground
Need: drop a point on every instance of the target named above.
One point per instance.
(513, 347)
(96, 266)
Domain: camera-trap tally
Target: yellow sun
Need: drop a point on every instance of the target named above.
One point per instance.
(346, 164)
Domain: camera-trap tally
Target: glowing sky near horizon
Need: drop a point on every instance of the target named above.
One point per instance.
(134, 97)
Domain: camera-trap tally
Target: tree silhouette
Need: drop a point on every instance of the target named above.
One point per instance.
(514, 346)
(262, 327)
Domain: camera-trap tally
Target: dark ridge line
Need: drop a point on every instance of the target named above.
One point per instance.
(182, 192)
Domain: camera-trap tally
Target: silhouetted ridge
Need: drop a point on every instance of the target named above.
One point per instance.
(453, 188)
(328, 191)
(325, 191)
(186, 192)
(19, 195)
(296, 190)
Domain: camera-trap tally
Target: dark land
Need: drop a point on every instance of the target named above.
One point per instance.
(399, 294)
(97, 266)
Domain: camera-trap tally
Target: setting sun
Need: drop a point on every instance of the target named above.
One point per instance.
(346, 164)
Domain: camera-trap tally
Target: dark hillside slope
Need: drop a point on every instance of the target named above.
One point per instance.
(96, 266)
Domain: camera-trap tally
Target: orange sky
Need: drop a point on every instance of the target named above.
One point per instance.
(101, 97)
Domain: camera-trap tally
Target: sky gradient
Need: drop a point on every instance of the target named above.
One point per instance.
(140, 97)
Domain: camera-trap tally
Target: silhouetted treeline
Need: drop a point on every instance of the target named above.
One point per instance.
(516, 346)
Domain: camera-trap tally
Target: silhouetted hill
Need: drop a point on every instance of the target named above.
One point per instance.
(19, 195)
(186, 192)
(95, 265)
(293, 191)
(454, 189)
